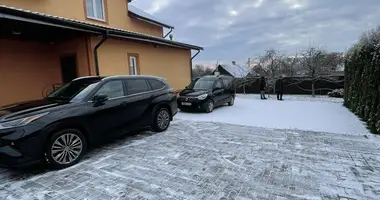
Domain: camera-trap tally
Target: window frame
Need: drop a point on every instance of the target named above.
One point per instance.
(101, 85)
(151, 86)
(136, 55)
(140, 93)
(104, 6)
(216, 82)
(229, 82)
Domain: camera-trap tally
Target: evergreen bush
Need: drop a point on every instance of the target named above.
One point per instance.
(362, 79)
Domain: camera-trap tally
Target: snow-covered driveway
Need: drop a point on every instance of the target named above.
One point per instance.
(217, 160)
(296, 112)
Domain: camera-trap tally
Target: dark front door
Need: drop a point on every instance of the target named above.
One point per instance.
(218, 92)
(68, 68)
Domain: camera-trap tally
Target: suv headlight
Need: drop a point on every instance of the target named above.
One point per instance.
(202, 97)
(21, 122)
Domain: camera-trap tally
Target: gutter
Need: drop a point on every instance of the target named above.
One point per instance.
(105, 37)
(191, 64)
(171, 30)
(53, 21)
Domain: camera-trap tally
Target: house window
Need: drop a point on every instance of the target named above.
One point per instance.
(133, 64)
(95, 9)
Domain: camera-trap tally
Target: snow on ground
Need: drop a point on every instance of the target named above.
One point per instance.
(203, 160)
(207, 160)
(321, 114)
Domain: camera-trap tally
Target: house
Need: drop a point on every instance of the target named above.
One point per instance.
(50, 42)
(235, 71)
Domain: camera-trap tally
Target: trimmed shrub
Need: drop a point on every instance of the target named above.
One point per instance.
(362, 79)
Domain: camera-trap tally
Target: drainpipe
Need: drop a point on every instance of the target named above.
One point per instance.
(171, 30)
(191, 65)
(105, 37)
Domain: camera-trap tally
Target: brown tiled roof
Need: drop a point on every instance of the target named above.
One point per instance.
(37, 17)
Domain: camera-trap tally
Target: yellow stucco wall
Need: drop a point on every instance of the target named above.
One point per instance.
(170, 63)
(144, 27)
(26, 78)
(116, 13)
(26, 68)
(78, 48)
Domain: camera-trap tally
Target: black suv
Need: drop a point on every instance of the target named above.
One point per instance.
(206, 93)
(84, 112)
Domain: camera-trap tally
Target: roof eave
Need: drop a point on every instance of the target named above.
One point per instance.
(88, 28)
(151, 21)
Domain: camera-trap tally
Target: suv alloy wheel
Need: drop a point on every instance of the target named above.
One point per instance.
(161, 120)
(65, 148)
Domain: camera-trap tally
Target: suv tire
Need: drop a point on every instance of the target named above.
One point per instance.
(65, 148)
(161, 120)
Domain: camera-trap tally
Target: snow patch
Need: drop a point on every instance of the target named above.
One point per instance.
(322, 114)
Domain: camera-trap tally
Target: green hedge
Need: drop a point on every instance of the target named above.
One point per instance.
(362, 84)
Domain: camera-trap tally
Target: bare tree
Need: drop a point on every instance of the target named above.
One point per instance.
(318, 64)
(290, 65)
(271, 63)
(200, 70)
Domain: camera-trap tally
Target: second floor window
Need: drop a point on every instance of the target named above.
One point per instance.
(95, 9)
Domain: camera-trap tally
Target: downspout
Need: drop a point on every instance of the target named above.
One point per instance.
(191, 64)
(171, 30)
(105, 37)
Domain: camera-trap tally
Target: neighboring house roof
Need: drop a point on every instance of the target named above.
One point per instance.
(17, 14)
(236, 71)
(141, 15)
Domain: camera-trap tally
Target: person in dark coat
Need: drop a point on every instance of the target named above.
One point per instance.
(280, 88)
(263, 85)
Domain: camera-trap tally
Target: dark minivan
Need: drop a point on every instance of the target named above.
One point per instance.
(86, 111)
(206, 93)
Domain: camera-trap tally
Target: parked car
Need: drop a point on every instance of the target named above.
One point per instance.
(337, 93)
(82, 113)
(206, 93)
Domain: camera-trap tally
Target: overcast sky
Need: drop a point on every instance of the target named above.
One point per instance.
(238, 29)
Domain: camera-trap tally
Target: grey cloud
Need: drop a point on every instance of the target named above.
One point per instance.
(236, 30)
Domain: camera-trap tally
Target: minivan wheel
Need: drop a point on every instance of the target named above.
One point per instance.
(209, 106)
(161, 120)
(65, 148)
(232, 101)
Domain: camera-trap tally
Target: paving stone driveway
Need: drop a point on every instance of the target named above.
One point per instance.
(200, 160)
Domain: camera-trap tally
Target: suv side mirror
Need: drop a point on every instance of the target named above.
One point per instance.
(100, 98)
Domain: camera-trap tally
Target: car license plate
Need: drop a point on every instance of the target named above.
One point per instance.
(186, 104)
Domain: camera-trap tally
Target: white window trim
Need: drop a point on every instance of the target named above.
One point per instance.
(95, 11)
(134, 66)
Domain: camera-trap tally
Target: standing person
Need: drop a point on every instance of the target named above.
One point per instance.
(280, 88)
(263, 84)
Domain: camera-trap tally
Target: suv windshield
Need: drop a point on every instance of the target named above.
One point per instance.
(74, 91)
(203, 84)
